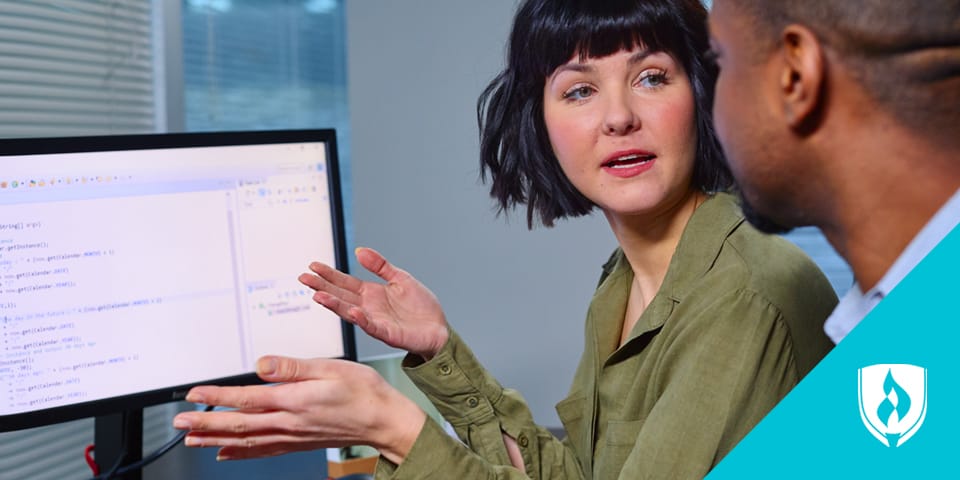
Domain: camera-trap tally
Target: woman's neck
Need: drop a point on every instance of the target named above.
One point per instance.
(648, 242)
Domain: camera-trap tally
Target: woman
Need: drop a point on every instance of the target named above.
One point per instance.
(698, 327)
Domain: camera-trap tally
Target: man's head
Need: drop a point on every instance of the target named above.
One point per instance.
(804, 83)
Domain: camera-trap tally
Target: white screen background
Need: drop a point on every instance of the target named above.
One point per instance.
(138, 270)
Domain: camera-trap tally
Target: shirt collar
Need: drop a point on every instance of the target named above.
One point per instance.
(855, 305)
(700, 244)
(699, 247)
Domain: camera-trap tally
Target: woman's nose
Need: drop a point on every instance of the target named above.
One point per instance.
(619, 118)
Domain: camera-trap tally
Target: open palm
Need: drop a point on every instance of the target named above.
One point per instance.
(402, 312)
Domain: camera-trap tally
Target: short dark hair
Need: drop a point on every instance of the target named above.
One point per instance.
(515, 149)
(906, 55)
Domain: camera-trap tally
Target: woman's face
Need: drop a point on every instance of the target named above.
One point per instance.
(622, 127)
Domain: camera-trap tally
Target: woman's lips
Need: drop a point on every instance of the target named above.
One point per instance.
(629, 164)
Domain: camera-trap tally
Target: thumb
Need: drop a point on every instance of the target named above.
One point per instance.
(284, 369)
(377, 264)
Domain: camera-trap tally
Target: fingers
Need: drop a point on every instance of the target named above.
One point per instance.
(256, 439)
(347, 287)
(336, 277)
(340, 301)
(276, 369)
(352, 314)
(227, 423)
(261, 450)
(250, 397)
(264, 397)
(285, 369)
(245, 435)
(377, 264)
(343, 309)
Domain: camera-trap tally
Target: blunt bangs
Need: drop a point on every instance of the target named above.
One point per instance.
(595, 29)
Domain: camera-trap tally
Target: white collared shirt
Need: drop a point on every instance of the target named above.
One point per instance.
(855, 305)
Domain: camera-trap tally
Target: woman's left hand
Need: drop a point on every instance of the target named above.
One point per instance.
(326, 403)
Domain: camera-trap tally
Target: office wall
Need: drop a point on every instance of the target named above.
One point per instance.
(518, 297)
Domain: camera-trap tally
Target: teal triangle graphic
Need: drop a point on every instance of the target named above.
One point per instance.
(817, 431)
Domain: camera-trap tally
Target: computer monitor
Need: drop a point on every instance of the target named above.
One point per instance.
(135, 267)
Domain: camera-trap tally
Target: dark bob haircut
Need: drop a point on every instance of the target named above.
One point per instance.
(515, 149)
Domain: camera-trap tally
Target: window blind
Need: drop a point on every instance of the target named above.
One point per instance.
(75, 67)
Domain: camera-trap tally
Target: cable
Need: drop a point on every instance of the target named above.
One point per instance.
(113, 468)
(90, 461)
(116, 469)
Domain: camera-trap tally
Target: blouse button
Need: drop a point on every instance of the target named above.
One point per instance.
(522, 440)
(445, 369)
(472, 402)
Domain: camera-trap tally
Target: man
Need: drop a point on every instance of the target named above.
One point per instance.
(845, 115)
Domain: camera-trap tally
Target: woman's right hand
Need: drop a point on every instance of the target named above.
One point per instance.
(402, 313)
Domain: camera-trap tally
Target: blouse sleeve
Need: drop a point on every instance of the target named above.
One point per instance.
(720, 373)
(478, 408)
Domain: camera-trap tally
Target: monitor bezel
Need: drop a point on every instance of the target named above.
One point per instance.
(152, 141)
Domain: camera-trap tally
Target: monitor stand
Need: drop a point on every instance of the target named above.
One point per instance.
(116, 435)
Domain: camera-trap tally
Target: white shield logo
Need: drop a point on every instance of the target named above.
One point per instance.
(893, 401)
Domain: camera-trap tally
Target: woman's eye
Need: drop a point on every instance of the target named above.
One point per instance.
(578, 93)
(652, 79)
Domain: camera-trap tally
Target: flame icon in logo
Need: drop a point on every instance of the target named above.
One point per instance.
(896, 401)
(889, 412)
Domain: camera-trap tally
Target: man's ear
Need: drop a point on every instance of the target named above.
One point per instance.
(802, 82)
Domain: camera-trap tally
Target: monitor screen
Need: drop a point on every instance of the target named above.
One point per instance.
(134, 267)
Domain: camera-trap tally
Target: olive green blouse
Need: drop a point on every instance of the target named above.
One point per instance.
(736, 324)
